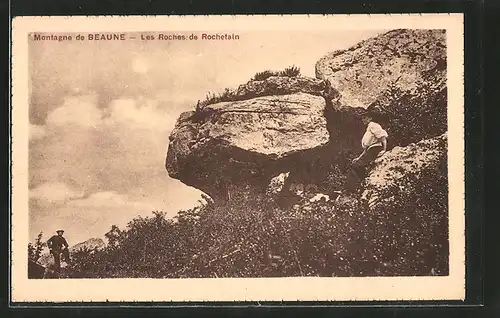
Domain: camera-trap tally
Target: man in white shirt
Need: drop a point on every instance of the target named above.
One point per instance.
(374, 144)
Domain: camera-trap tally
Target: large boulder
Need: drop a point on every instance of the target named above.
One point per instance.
(404, 57)
(245, 143)
(402, 73)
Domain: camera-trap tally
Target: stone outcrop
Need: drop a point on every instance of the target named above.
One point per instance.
(394, 173)
(402, 73)
(311, 128)
(246, 142)
(404, 57)
(90, 244)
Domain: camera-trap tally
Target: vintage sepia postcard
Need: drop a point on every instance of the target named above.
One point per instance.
(238, 158)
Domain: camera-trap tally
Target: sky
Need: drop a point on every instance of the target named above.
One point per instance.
(101, 113)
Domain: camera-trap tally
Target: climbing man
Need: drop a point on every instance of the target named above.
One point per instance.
(374, 144)
(57, 245)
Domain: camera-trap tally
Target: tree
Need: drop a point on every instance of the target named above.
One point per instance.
(35, 251)
(113, 236)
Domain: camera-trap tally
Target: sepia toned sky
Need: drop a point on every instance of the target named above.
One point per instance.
(101, 113)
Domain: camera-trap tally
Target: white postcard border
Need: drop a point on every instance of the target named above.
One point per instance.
(237, 289)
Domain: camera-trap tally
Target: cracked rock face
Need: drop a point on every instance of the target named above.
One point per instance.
(408, 56)
(398, 172)
(245, 142)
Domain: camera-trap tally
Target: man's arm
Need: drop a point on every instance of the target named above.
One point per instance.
(358, 157)
(383, 140)
(64, 243)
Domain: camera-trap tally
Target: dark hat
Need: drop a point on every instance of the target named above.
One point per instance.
(60, 231)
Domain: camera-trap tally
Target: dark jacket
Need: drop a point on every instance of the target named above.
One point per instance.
(56, 243)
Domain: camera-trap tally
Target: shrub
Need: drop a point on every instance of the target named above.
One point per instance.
(260, 76)
(416, 114)
(213, 98)
(35, 250)
(201, 112)
(254, 237)
(292, 71)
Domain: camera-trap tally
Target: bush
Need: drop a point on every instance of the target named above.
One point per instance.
(292, 71)
(213, 98)
(35, 250)
(229, 95)
(254, 237)
(418, 220)
(261, 76)
(414, 115)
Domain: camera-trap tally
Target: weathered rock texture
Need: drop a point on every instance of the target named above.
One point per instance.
(246, 142)
(394, 173)
(407, 57)
(402, 73)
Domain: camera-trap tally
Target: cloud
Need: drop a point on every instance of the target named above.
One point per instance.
(36, 132)
(55, 192)
(77, 110)
(142, 114)
(134, 113)
(123, 151)
(140, 65)
(107, 199)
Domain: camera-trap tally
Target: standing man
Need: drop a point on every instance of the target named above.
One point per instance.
(57, 244)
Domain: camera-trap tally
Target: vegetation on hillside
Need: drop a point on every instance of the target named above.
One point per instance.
(291, 71)
(35, 249)
(257, 238)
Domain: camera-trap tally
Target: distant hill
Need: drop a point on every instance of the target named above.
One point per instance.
(90, 244)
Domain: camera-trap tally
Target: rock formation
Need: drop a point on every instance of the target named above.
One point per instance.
(401, 72)
(90, 244)
(311, 128)
(405, 57)
(244, 143)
